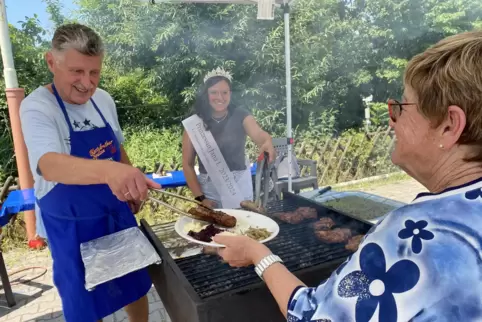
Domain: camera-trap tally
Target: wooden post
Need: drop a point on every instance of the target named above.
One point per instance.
(14, 98)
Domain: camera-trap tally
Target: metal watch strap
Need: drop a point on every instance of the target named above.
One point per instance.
(265, 263)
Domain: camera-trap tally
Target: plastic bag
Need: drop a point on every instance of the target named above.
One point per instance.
(282, 167)
(115, 255)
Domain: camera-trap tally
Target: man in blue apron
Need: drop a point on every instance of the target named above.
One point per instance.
(85, 186)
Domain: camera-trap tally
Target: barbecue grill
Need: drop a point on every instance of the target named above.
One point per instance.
(202, 288)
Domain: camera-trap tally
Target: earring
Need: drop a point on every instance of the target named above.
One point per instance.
(441, 146)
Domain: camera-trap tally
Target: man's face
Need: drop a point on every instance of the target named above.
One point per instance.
(76, 76)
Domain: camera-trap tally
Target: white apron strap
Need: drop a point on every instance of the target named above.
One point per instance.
(245, 182)
(208, 152)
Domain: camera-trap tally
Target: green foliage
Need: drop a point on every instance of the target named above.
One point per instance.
(147, 146)
(28, 47)
(378, 114)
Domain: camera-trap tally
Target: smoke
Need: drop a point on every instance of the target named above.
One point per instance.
(341, 50)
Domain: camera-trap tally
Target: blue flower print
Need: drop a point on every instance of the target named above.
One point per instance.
(310, 301)
(473, 194)
(418, 232)
(374, 286)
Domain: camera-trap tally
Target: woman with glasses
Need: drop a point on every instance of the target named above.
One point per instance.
(423, 261)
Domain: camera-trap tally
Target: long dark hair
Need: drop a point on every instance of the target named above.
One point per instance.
(202, 107)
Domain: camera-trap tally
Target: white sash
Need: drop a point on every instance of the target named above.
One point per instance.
(208, 152)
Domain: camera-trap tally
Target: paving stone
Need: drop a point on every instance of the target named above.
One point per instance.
(15, 319)
(45, 315)
(23, 310)
(156, 317)
(120, 316)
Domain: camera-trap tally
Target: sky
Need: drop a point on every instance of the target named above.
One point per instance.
(18, 9)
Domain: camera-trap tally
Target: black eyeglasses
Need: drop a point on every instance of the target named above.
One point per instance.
(395, 109)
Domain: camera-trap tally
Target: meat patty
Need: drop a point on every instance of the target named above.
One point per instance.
(324, 223)
(297, 216)
(354, 242)
(338, 235)
(307, 212)
(216, 217)
(290, 217)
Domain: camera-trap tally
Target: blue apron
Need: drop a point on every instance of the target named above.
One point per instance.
(74, 214)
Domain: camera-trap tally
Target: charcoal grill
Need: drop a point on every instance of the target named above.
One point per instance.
(203, 289)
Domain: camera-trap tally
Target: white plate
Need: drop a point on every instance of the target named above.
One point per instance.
(244, 219)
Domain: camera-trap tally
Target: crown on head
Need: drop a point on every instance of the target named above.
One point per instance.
(218, 72)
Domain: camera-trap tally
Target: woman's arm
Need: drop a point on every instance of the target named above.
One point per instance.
(188, 159)
(255, 132)
(281, 291)
(261, 138)
(243, 251)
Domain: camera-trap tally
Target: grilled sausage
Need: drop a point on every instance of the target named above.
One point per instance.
(251, 206)
(216, 217)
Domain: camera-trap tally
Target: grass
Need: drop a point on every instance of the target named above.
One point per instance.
(14, 235)
(376, 183)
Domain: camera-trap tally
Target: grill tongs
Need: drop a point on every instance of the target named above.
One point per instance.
(263, 176)
(177, 210)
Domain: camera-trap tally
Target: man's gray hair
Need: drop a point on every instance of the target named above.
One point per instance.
(78, 37)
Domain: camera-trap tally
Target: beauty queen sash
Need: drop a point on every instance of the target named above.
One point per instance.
(214, 163)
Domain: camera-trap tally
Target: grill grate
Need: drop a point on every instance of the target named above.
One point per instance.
(296, 244)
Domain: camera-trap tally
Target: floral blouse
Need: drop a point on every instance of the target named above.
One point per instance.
(422, 263)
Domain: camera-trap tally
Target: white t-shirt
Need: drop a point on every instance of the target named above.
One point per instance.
(45, 129)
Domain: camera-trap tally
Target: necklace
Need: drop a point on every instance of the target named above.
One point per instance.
(220, 120)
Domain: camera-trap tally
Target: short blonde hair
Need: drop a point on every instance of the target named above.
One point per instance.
(450, 73)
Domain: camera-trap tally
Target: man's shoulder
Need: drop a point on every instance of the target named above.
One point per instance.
(40, 100)
(40, 94)
(102, 96)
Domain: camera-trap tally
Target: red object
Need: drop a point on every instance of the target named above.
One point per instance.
(37, 243)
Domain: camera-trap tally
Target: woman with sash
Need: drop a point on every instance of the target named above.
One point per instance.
(216, 135)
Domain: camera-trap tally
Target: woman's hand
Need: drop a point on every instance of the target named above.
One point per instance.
(241, 250)
(268, 148)
(209, 203)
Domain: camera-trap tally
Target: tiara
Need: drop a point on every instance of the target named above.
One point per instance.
(218, 72)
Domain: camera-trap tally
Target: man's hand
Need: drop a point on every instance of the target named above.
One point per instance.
(128, 183)
(135, 205)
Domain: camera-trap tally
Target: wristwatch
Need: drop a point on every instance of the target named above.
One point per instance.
(265, 263)
(200, 198)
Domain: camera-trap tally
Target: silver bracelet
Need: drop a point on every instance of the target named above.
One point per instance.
(266, 262)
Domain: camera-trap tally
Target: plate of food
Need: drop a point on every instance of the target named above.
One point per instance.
(205, 223)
